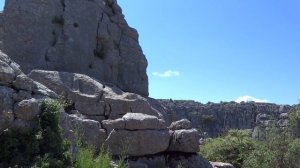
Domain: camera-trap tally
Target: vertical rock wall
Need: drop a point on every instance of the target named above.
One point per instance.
(84, 36)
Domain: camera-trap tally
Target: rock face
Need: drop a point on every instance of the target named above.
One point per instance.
(19, 99)
(87, 37)
(215, 118)
(91, 98)
(83, 53)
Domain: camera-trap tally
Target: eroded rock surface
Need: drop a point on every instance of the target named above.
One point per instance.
(87, 37)
(215, 118)
(138, 142)
(19, 100)
(92, 98)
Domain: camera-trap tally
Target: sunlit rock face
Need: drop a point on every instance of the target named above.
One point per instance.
(215, 118)
(87, 37)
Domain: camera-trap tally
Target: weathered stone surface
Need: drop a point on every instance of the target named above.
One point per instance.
(153, 161)
(89, 131)
(185, 141)
(139, 121)
(109, 125)
(22, 126)
(181, 124)
(6, 106)
(137, 143)
(21, 95)
(65, 36)
(221, 165)
(27, 109)
(91, 97)
(214, 118)
(190, 161)
(7, 74)
(16, 68)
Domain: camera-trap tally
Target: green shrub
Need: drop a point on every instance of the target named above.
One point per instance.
(43, 146)
(18, 149)
(292, 155)
(87, 158)
(233, 148)
(261, 157)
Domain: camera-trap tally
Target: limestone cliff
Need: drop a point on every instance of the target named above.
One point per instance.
(83, 36)
(215, 118)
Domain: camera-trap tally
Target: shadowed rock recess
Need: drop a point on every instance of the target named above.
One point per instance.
(83, 51)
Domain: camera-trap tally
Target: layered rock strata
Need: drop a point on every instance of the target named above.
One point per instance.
(215, 118)
(99, 115)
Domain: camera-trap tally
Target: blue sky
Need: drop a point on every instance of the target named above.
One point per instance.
(209, 50)
(220, 50)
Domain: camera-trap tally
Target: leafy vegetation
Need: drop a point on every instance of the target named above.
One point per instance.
(44, 146)
(280, 149)
(232, 148)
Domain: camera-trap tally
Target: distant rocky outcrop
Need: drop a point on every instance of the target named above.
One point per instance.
(89, 37)
(215, 118)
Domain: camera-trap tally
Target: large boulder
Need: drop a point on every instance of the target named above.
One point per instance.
(87, 37)
(185, 141)
(137, 143)
(77, 128)
(27, 109)
(181, 124)
(137, 121)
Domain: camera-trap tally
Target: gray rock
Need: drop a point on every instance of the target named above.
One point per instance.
(284, 116)
(21, 95)
(64, 36)
(109, 125)
(27, 109)
(6, 107)
(156, 161)
(189, 161)
(7, 74)
(139, 121)
(185, 141)
(22, 126)
(137, 143)
(24, 83)
(12, 64)
(92, 98)
(181, 124)
(221, 165)
(214, 118)
(89, 131)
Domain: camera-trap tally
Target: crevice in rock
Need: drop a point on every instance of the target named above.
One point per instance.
(119, 43)
(98, 51)
(63, 4)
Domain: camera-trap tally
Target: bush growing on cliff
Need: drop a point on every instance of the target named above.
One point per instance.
(43, 146)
